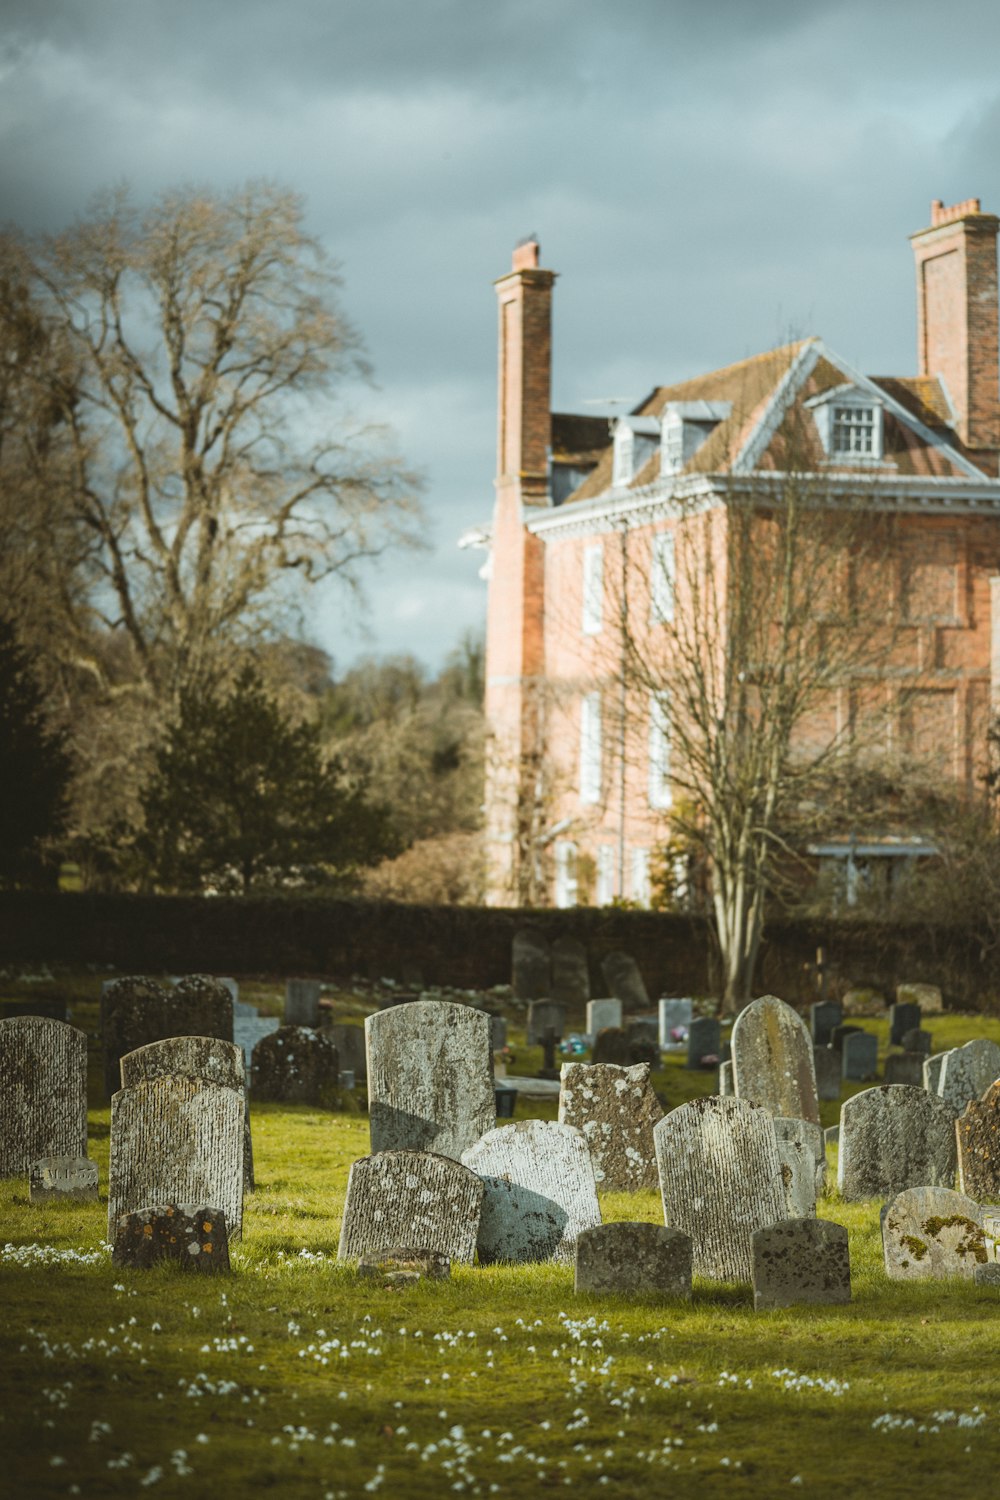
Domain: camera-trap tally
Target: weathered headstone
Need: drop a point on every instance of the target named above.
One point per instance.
(622, 976)
(864, 1001)
(539, 1191)
(967, 1072)
(704, 1040)
(248, 1029)
(135, 1011)
(611, 1046)
(927, 996)
(624, 1259)
(978, 1143)
(929, 1232)
(643, 1029)
(893, 1137)
(430, 1079)
(603, 1013)
(800, 1260)
(674, 1015)
(350, 1044)
(720, 1179)
(43, 1092)
(62, 1179)
(933, 1067)
(411, 1198)
(902, 1016)
(827, 1063)
(823, 1017)
(726, 1090)
(531, 965)
(916, 1040)
(838, 1034)
(797, 1154)
(773, 1060)
(859, 1057)
(988, 1275)
(615, 1108)
(543, 1016)
(498, 1033)
(402, 1265)
(194, 1236)
(905, 1067)
(177, 1140)
(570, 975)
(302, 998)
(295, 1065)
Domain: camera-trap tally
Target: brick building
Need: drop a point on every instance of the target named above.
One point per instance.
(592, 516)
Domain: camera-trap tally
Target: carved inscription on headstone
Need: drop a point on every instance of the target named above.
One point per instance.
(773, 1060)
(615, 1108)
(43, 1092)
(928, 1232)
(430, 1077)
(894, 1137)
(411, 1198)
(633, 1258)
(62, 1179)
(800, 1260)
(539, 1193)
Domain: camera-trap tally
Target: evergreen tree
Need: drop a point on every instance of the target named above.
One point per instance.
(34, 767)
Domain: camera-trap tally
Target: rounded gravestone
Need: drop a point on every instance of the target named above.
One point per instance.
(633, 1259)
(720, 1180)
(415, 1198)
(430, 1077)
(295, 1065)
(43, 1092)
(967, 1072)
(539, 1191)
(616, 1109)
(136, 1010)
(894, 1137)
(930, 1232)
(773, 1060)
(207, 1057)
(192, 1235)
(800, 1260)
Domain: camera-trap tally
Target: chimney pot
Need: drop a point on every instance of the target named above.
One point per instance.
(526, 255)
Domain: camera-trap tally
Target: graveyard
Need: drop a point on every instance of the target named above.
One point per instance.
(296, 1371)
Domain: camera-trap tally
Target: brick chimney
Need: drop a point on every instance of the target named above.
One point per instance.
(957, 337)
(524, 417)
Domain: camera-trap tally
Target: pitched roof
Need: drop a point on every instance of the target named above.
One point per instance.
(578, 440)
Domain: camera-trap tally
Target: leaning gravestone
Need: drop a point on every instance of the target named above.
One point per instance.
(967, 1072)
(824, 1015)
(43, 1092)
(902, 1016)
(905, 1067)
(800, 1260)
(720, 1179)
(633, 1258)
(611, 1046)
(62, 1179)
(616, 1109)
(797, 1154)
(827, 1064)
(430, 1078)
(929, 1232)
(570, 975)
(302, 998)
(704, 1041)
(621, 974)
(603, 1013)
(893, 1137)
(177, 1140)
(350, 1044)
(195, 1237)
(539, 1191)
(413, 1198)
(978, 1142)
(135, 1011)
(773, 1060)
(674, 1015)
(859, 1057)
(543, 1016)
(295, 1065)
(531, 965)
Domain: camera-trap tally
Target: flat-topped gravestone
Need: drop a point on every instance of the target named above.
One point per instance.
(615, 1108)
(135, 1011)
(704, 1041)
(838, 1034)
(539, 1191)
(611, 1046)
(927, 996)
(674, 1016)
(773, 1060)
(916, 1040)
(859, 1057)
(930, 1232)
(194, 1236)
(351, 1052)
(302, 998)
(411, 1198)
(967, 1072)
(603, 1013)
(720, 1179)
(797, 1154)
(43, 1092)
(570, 974)
(624, 1259)
(827, 1064)
(177, 1140)
(531, 965)
(902, 1017)
(905, 1067)
(430, 1078)
(824, 1015)
(295, 1065)
(978, 1142)
(800, 1260)
(543, 1016)
(622, 976)
(894, 1137)
(62, 1179)
(932, 1071)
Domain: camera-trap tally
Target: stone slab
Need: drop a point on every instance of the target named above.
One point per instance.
(797, 1154)
(616, 1109)
(978, 1144)
(932, 1232)
(43, 1092)
(674, 1015)
(916, 1040)
(726, 1090)
(827, 1065)
(193, 1236)
(894, 1137)
(302, 997)
(625, 982)
(543, 1014)
(570, 973)
(932, 1071)
(603, 1013)
(633, 1259)
(905, 1067)
(136, 1010)
(403, 1264)
(773, 1060)
(800, 1261)
(824, 1015)
(411, 1198)
(430, 1078)
(903, 1016)
(611, 1046)
(531, 965)
(62, 1179)
(539, 1191)
(249, 1030)
(968, 1071)
(295, 1065)
(704, 1040)
(352, 1055)
(859, 1057)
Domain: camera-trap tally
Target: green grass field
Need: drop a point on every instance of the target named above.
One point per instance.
(293, 1376)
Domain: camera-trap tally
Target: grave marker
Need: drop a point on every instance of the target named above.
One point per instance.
(570, 975)
(302, 998)
(135, 1011)
(611, 1047)
(673, 1015)
(295, 1065)
(704, 1040)
(773, 1060)
(196, 1237)
(978, 1144)
(615, 1108)
(430, 1078)
(62, 1179)
(797, 1154)
(622, 976)
(601, 1014)
(543, 1016)
(859, 1057)
(43, 1092)
(930, 1232)
(932, 1071)
(827, 1064)
(916, 1040)
(894, 1137)
(824, 1015)
(905, 1067)
(800, 1261)
(531, 971)
(633, 1258)
(413, 1198)
(902, 1017)
(539, 1191)
(350, 1044)
(967, 1072)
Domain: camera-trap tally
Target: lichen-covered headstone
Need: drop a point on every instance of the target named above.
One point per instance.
(611, 1046)
(302, 998)
(194, 1236)
(800, 1260)
(628, 1259)
(622, 976)
(905, 1067)
(531, 965)
(827, 1063)
(616, 1109)
(62, 1179)
(177, 1140)
(539, 1191)
(135, 1011)
(927, 996)
(544, 1016)
(978, 1142)
(894, 1137)
(859, 1057)
(674, 1015)
(720, 1179)
(295, 1065)
(43, 1092)
(704, 1041)
(824, 1015)
(929, 1232)
(411, 1198)
(351, 1053)
(773, 1060)
(797, 1154)
(570, 973)
(967, 1072)
(430, 1078)
(603, 1013)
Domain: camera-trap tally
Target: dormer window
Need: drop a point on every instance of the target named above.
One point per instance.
(854, 429)
(849, 422)
(684, 427)
(635, 440)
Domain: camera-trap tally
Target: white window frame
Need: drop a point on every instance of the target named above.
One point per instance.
(566, 886)
(672, 442)
(848, 399)
(622, 454)
(590, 748)
(640, 876)
(660, 792)
(607, 874)
(593, 589)
(663, 582)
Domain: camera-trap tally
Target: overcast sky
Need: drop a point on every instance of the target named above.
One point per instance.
(708, 177)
